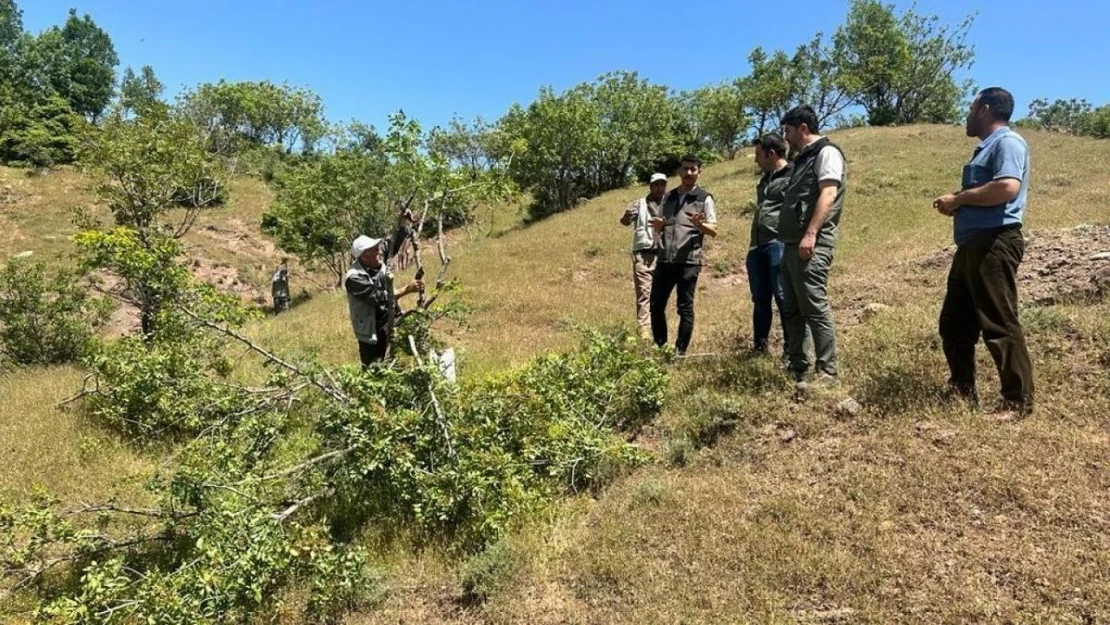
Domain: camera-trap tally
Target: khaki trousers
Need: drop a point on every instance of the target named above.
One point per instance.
(643, 265)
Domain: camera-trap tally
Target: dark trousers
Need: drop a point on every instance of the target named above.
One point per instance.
(667, 278)
(763, 265)
(370, 353)
(982, 300)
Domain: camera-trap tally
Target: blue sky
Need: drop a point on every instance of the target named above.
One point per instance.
(438, 58)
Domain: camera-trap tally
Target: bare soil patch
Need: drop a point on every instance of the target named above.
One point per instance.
(1059, 266)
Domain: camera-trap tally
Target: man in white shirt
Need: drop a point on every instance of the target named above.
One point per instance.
(808, 226)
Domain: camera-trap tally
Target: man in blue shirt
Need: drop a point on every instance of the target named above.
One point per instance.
(982, 299)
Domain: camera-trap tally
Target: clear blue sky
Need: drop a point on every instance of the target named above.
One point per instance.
(436, 58)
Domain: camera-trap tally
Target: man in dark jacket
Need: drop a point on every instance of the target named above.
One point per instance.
(765, 250)
(371, 298)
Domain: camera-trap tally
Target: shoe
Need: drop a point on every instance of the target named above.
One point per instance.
(824, 380)
(645, 334)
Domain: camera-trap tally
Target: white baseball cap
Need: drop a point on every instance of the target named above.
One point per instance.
(363, 243)
(657, 177)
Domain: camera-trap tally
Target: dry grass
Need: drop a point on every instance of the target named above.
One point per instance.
(760, 509)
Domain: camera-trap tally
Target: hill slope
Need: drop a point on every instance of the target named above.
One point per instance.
(760, 509)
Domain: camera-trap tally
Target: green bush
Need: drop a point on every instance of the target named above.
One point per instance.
(43, 134)
(488, 571)
(46, 319)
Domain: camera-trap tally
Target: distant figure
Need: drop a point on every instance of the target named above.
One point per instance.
(687, 214)
(982, 297)
(765, 249)
(808, 226)
(371, 297)
(645, 243)
(279, 288)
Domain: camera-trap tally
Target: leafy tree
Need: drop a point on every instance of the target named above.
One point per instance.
(246, 114)
(768, 89)
(1070, 116)
(144, 168)
(720, 118)
(39, 133)
(817, 80)
(327, 201)
(11, 31)
(589, 139)
(77, 62)
(142, 92)
(902, 69)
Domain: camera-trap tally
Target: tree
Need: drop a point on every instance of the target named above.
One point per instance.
(768, 89)
(141, 92)
(1070, 116)
(144, 168)
(902, 69)
(719, 114)
(589, 139)
(39, 133)
(46, 317)
(246, 114)
(325, 202)
(11, 30)
(817, 80)
(76, 61)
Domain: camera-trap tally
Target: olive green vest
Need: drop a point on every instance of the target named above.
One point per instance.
(800, 198)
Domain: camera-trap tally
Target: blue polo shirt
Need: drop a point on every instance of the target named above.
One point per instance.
(1004, 154)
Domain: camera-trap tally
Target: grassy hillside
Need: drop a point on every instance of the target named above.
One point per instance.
(759, 508)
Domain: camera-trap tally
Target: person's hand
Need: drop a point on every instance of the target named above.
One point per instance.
(657, 224)
(805, 247)
(697, 219)
(415, 286)
(409, 216)
(946, 204)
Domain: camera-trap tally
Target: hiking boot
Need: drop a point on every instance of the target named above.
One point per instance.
(824, 380)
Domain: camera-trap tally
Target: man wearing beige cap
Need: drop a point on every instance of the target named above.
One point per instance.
(372, 299)
(645, 242)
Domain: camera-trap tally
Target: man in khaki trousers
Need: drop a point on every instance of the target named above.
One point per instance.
(645, 242)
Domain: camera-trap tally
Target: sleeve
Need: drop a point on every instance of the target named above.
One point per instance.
(1008, 159)
(710, 210)
(396, 240)
(829, 165)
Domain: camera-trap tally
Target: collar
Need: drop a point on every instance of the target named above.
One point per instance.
(994, 136)
(771, 175)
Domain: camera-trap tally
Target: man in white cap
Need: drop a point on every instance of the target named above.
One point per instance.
(372, 298)
(645, 243)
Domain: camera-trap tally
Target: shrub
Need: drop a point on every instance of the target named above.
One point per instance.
(46, 319)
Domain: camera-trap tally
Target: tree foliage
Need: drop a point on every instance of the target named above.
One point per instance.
(257, 114)
(268, 494)
(46, 318)
(902, 68)
(77, 62)
(141, 93)
(718, 117)
(325, 202)
(589, 139)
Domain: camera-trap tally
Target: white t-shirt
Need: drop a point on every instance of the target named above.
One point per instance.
(829, 164)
